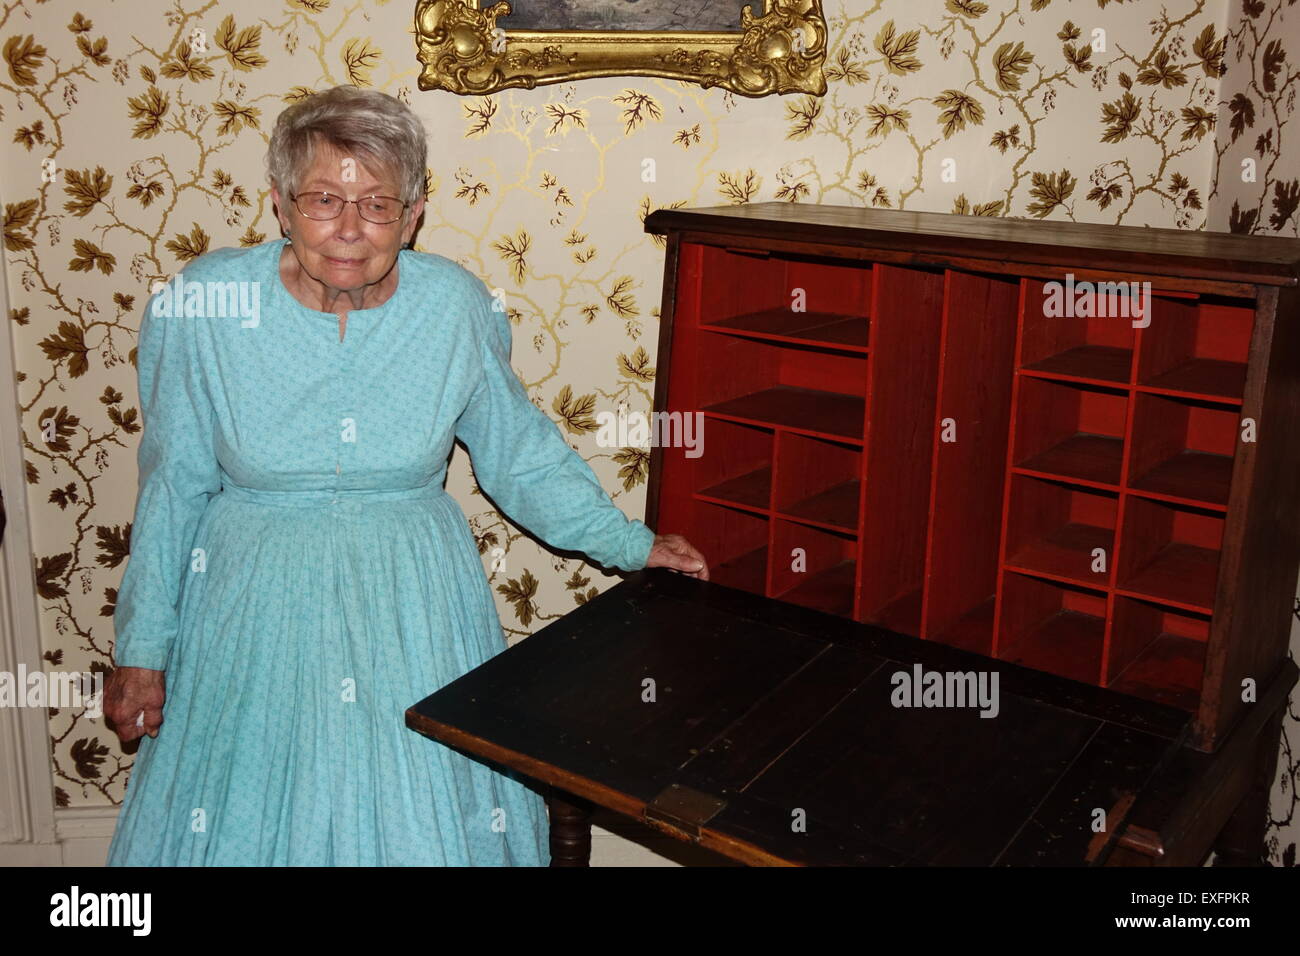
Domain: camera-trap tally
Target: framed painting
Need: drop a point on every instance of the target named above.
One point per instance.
(471, 48)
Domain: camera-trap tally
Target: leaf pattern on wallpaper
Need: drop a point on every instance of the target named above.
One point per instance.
(520, 594)
(635, 464)
(241, 46)
(185, 65)
(187, 247)
(956, 109)
(68, 344)
(85, 189)
(155, 145)
(359, 58)
(17, 217)
(898, 49)
(24, 57)
(148, 108)
(1011, 62)
(576, 412)
(514, 250)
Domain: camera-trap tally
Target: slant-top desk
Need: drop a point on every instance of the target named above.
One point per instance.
(1058, 453)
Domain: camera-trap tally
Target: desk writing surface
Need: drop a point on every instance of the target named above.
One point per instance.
(769, 714)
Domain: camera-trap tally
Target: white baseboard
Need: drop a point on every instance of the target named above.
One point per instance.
(83, 835)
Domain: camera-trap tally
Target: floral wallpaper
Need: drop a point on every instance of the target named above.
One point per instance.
(133, 135)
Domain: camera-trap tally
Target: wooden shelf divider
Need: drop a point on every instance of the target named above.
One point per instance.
(902, 377)
(968, 468)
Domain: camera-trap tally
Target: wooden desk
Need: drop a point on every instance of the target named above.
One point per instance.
(765, 731)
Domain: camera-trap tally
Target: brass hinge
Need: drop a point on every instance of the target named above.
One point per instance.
(682, 809)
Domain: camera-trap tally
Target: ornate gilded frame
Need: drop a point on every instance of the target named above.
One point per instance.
(464, 51)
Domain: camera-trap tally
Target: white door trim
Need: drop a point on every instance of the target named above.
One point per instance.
(26, 775)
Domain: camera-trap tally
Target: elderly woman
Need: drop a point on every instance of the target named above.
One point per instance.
(298, 572)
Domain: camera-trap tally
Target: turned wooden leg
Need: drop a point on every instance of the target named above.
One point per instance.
(570, 829)
(1241, 843)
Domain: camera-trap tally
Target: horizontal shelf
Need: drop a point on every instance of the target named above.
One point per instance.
(1168, 671)
(1192, 476)
(1182, 575)
(835, 508)
(798, 409)
(1086, 363)
(830, 590)
(1097, 459)
(1201, 378)
(752, 490)
(824, 329)
(1065, 554)
(1067, 643)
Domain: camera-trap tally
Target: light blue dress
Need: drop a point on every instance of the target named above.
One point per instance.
(301, 575)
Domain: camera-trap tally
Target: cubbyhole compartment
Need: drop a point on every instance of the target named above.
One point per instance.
(1183, 449)
(1157, 653)
(1068, 430)
(734, 281)
(818, 482)
(815, 391)
(805, 300)
(735, 543)
(1079, 332)
(735, 467)
(1053, 627)
(1170, 553)
(972, 417)
(813, 568)
(1061, 531)
(1197, 348)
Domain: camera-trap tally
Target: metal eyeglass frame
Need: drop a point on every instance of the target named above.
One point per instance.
(344, 202)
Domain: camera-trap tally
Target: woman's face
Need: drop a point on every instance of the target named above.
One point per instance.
(349, 252)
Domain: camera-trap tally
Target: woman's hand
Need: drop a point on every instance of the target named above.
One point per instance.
(674, 551)
(129, 693)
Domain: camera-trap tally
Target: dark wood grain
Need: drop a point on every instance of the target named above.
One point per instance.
(1267, 260)
(761, 705)
(1261, 548)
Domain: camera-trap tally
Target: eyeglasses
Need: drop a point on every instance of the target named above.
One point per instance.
(377, 209)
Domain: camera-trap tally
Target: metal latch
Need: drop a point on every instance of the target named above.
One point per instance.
(682, 808)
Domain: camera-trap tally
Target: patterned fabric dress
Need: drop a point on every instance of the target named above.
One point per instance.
(302, 577)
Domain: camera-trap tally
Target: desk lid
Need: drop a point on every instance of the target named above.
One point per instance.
(774, 734)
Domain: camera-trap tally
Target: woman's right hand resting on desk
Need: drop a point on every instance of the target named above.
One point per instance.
(133, 702)
(674, 551)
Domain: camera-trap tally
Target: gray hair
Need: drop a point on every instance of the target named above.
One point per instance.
(381, 130)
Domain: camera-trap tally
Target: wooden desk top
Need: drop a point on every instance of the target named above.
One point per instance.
(1267, 260)
(765, 713)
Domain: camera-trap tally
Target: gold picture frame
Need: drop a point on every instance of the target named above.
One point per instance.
(464, 51)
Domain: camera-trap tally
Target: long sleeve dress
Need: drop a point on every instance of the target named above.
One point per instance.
(302, 576)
